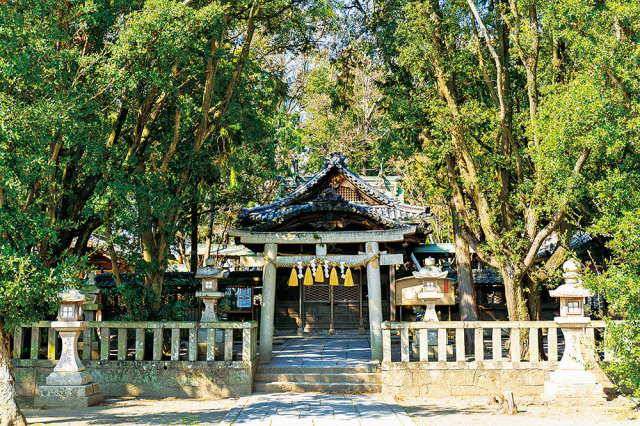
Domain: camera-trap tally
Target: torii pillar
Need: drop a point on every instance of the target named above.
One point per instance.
(267, 313)
(375, 302)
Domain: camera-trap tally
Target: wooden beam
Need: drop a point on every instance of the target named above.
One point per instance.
(254, 237)
(385, 259)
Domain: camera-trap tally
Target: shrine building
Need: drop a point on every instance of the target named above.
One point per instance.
(328, 251)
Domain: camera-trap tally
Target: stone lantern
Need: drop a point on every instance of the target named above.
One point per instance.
(91, 307)
(572, 379)
(210, 295)
(430, 275)
(69, 385)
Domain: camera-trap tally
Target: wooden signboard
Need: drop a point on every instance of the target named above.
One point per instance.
(407, 290)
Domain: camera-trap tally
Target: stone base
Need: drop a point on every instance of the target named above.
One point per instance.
(576, 391)
(77, 378)
(566, 385)
(68, 396)
(572, 377)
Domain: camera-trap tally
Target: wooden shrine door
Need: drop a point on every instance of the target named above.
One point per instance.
(334, 308)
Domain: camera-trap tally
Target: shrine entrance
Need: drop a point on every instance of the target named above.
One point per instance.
(333, 249)
(330, 308)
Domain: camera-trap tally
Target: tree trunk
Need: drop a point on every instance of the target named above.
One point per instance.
(207, 250)
(154, 281)
(535, 304)
(516, 306)
(10, 414)
(468, 307)
(194, 237)
(514, 295)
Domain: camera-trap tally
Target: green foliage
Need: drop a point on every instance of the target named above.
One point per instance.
(177, 301)
(28, 290)
(618, 202)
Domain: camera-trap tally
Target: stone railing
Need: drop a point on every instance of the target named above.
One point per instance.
(430, 358)
(118, 340)
(185, 359)
(495, 343)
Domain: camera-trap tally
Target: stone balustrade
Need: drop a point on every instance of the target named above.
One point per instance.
(121, 340)
(146, 358)
(504, 355)
(494, 341)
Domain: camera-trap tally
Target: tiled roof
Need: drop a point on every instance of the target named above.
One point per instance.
(486, 276)
(385, 211)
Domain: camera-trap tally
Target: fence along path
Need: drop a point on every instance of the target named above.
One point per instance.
(496, 344)
(122, 341)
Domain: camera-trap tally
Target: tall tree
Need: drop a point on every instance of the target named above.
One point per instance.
(518, 142)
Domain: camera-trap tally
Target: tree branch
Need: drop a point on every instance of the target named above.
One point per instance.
(556, 219)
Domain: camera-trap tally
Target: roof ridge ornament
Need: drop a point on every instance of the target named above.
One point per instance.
(336, 158)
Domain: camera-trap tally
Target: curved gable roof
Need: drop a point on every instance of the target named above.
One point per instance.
(385, 211)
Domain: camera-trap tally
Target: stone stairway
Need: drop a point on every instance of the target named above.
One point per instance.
(365, 378)
(320, 364)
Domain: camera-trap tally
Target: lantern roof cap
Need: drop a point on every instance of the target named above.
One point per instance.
(573, 282)
(211, 272)
(72, 295)
(570, 290)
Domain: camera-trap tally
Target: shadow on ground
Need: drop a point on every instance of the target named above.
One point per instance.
(131, 411)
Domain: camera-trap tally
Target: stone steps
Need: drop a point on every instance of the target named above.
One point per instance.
(317, 387)
(364, 378)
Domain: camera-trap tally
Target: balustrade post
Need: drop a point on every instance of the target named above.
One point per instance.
(552, 337)
(496, 343)
(157, 343)
(404, 344)
(534, 349)
(246, 344)
(52, 344)
(35, 342)
(122, 344)
(478, 349)
(386, 344)
(18, 342)
(460, 352)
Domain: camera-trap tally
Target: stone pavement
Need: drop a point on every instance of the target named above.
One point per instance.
(316, 409)
(345, 350)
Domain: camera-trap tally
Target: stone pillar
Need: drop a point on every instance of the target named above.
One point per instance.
(392, 292)
(268, 303)
(375, 302)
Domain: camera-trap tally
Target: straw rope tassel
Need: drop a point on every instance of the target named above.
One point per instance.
(319, 275)
(348, 279)
(308, 277)
(333, 279)
(293, 279)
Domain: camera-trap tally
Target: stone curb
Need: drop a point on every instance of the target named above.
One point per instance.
(234, 411)
(402, 415)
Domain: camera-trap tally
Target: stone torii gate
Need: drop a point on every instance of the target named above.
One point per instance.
(333, 207)
(371, 239)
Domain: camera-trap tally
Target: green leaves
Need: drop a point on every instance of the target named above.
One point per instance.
(28, 289)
